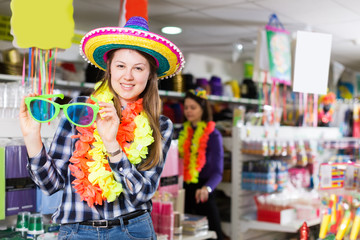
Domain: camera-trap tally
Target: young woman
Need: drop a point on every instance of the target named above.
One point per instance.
(110, 168)
(200, 146)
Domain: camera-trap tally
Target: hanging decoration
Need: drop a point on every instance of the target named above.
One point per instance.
(129, 8)
(279, 50)
(326, 109)
(42, 31)
(272, 67)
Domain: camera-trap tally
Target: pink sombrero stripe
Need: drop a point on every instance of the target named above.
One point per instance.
(130, 31)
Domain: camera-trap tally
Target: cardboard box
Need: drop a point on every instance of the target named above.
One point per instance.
(282, 217)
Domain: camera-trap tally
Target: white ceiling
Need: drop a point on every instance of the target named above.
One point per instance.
(210, 27)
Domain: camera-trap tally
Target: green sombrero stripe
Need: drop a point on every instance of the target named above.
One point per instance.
(99, 52)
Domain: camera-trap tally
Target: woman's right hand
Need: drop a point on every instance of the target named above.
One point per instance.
(30, 128)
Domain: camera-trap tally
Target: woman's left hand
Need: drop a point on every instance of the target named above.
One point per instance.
(201, 195)
(107, 122)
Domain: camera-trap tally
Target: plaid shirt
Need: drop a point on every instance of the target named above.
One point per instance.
(51, 173)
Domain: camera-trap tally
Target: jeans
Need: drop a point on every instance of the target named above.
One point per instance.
(140, 227)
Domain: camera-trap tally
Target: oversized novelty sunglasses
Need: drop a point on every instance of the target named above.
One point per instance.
(44, 110)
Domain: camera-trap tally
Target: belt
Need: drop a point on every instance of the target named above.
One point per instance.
(114, 222)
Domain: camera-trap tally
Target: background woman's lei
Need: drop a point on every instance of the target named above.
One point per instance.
(192, 148)
(94, 179)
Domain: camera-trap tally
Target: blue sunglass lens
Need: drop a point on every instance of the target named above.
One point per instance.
(42, 110)
(80, 114)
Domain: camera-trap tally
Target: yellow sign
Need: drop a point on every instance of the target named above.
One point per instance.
(42, 23)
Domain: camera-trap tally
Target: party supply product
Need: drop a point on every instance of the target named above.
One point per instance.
(216, 86)
(356, 226)
(343, 226)
(169, 181)
(194, 157)
(199, 92)
(167, 217)
(36, 225)
(22, 224)
(304, 232)
(203, 83)
(325, 224)
(79, 114)
(96, 44)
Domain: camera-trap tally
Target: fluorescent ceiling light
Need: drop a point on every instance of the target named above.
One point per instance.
(171, 30)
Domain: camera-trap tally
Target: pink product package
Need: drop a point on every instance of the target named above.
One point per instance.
(156, 214)
(169, 180)
(299, 177)
(167, 219)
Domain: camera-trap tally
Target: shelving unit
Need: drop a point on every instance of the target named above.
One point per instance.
(207, 235)
(10, 128)
(59, 83)
(243, 209)
(249, 223)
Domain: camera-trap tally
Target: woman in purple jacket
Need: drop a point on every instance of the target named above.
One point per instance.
(200, 146)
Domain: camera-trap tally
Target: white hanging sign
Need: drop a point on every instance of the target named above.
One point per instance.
(312, 60)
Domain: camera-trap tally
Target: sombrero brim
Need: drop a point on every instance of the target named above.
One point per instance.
(97, 43)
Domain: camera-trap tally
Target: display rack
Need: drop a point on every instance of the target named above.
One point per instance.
(10, 128)
(64, 84)
(207, 235)
(243, 209)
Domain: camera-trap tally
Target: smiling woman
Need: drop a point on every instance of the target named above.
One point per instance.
(109, 169)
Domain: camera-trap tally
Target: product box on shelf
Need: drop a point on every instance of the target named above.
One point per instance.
(307, 212)
(274, 214)
(280, 216)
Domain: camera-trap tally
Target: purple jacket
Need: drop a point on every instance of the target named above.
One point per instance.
(213, 169)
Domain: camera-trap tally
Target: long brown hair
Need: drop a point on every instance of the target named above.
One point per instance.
(151, 106)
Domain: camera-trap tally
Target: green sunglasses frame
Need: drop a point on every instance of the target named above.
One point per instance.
(64, 107)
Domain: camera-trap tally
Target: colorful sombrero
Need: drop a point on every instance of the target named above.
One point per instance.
(134, 35)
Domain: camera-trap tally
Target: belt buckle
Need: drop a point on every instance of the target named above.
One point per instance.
(101, 221)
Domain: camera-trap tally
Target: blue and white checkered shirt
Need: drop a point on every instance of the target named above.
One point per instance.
(51, 173)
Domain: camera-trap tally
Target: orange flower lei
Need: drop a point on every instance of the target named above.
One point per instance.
(192, 148)
(81, 159)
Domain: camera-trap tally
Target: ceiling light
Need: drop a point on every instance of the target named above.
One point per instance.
(171, 30)
(239, 46)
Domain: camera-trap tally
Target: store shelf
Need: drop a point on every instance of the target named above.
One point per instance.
(10, 78)
(207, 235)
(10, 128)
(292, 227)
(63, 83)
(171, 94)
(59, 83)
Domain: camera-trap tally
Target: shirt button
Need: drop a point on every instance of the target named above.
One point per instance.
(120, 169)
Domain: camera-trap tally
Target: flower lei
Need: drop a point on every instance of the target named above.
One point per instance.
(192, 148)
(94, 179)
